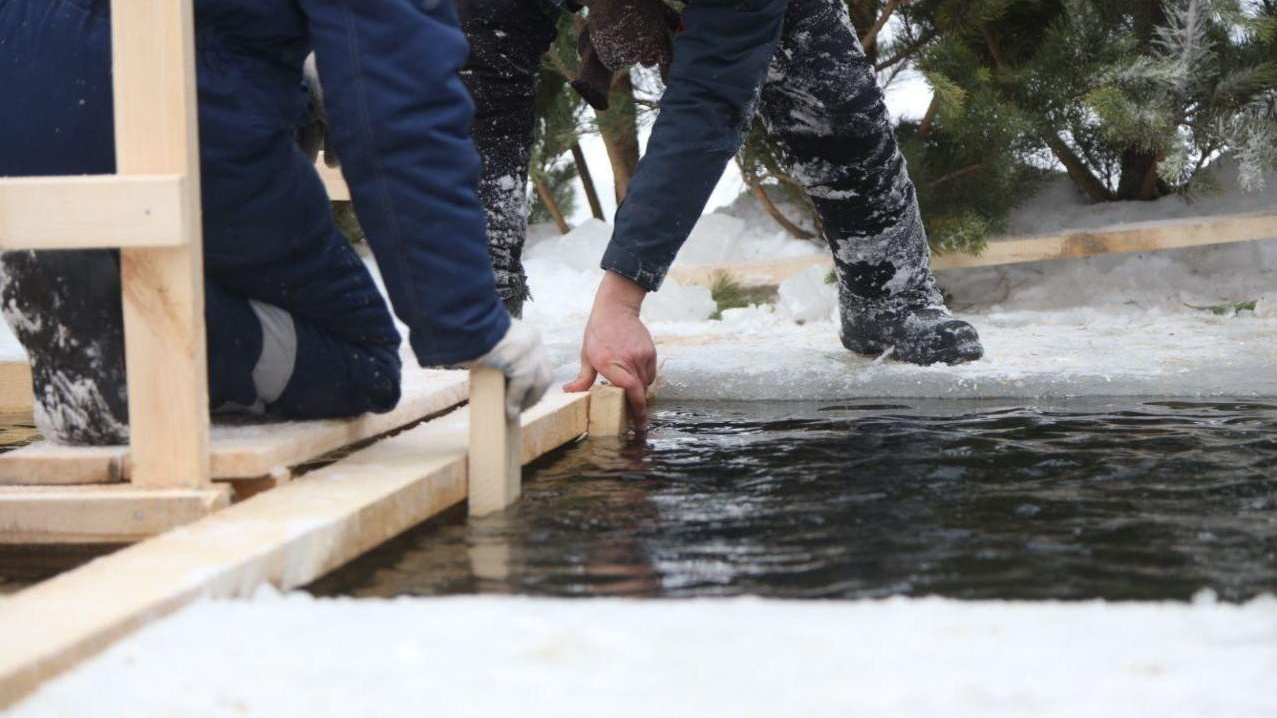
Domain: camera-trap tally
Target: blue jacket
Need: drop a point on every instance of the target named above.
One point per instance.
(400, 121)
(720, 62)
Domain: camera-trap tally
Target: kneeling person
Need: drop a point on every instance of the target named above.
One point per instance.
(296, 326)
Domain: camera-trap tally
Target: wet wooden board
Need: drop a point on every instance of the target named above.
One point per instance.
(242, 452)
(1141, 237)
(286, 537)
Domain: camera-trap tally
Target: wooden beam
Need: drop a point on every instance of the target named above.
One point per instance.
(559, 419)
(608, 413)
(1141, 237)
(243, 451)
(92, 212)
(156, 132)
(114, 514)
(333, 180)
(495, 475)
(15, 387)
(286, 537)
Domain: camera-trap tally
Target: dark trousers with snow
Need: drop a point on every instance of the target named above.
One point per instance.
(507, 41)
(820, 103)
(295, 323)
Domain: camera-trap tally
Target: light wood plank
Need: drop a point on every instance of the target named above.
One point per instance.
(557, 420)
(15, 387)
(91, 212)
(100, 514)
(333, 180)
(1141, 237)
(156, 131)
(243, 452)
(608, 413)
(494, 445)
(286, 537)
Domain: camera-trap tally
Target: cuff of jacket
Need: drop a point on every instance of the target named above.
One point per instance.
(621, 260)
(431, 354)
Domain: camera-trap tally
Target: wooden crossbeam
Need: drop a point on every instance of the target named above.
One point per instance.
(92, 212)
(286, 537)
(241, 452)
(1141, 237)
(15, 387)
(115, 514)
(334, 182)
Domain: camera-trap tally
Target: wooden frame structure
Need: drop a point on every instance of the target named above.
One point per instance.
(150, 211)
(287, 536)
(1138, 237)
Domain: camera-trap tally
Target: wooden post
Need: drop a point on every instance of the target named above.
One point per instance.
(607, 412)
(496, 445)
(156, 133)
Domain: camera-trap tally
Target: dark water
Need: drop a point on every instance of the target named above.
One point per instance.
(1128, 500)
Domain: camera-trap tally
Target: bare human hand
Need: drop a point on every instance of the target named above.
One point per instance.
(618, 346)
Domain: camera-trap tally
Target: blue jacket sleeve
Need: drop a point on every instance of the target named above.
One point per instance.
(400, 122)
(720, 62)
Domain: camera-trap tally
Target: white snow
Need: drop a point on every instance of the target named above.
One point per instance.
(299, 656)
(1104, 326)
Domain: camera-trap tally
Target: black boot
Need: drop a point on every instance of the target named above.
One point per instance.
(65, 309)
(915, 326)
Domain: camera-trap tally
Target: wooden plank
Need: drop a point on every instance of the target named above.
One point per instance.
(495, 476)
(608, 414)
(100, 514)
(333, 180)
(1141, 237)
(287, 537)
(15, 387)
(767, 273)
(243, 452)
(91, 212)
(153, 46)
(557, 420)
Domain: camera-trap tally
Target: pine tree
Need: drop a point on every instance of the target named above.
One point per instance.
(1133, 98)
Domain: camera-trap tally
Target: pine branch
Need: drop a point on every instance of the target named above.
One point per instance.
(870, 38)
(908, 52)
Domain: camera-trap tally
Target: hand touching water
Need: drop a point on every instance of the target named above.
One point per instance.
(618, 346)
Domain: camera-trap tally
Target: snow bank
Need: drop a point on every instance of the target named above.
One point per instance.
(1116, 325)
(298, 656)
(1058, 205)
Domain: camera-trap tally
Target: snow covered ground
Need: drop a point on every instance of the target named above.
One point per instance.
(1135, 324)
(899, 658)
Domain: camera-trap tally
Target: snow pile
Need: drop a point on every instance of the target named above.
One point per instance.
(564, 271)
(487, 656)
(1057, 204)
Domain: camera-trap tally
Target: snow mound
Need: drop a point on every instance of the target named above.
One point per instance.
(489, 656)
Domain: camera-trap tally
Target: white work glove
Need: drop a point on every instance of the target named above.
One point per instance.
(520, 356)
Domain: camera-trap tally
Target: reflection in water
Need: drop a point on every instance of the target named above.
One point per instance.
(1129, 500)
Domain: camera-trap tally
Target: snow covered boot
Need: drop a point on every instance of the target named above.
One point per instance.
(65, 309)
(915, 327)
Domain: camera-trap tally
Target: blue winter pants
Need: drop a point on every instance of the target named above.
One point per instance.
(296, 325)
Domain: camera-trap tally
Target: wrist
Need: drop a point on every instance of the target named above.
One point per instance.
(618, 291)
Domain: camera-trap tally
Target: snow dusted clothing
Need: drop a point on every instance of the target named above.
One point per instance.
(507, 40)
(799, 63)
(295, 323)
